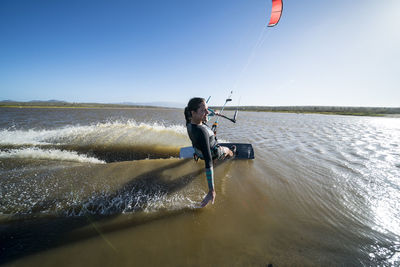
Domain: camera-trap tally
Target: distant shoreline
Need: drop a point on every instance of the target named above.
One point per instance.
(58, 105)
(325, 110)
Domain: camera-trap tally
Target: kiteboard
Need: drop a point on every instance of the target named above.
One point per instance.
(243, 151)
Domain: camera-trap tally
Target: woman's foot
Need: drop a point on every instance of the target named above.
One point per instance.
(233, 149)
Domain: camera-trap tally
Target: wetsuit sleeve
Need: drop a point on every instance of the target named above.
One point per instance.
(210, 178)
(205, 150)
(204, 146)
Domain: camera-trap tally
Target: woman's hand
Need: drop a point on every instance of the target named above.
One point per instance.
(209, 197)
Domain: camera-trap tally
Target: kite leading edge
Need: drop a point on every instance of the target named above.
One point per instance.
(276, 12)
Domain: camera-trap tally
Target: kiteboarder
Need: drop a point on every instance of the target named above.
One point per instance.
(204, 142)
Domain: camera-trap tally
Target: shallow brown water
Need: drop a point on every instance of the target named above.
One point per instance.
(105, 187)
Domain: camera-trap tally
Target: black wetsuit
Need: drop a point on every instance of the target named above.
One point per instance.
(203, 140)
(206, 146)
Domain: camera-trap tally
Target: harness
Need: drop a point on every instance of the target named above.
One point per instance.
(214, 153)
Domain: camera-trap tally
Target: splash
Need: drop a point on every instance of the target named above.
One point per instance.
(110, 141)
(51, 154)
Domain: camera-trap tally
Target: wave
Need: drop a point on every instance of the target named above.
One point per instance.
(103, 189)
(131, 202)
(51, 154)
(110, 141)
(104, 205)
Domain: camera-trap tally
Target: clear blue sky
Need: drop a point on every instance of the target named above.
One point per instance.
(340, 52)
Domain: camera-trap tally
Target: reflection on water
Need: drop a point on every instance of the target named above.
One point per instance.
(323, 190)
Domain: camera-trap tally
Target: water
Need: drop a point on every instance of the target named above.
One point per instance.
(105, 187)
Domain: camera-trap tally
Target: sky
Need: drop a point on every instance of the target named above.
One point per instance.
(325, 53)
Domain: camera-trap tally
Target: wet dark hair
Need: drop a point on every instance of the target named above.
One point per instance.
(192, 105)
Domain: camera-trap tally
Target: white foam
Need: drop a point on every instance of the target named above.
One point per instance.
(109, 133)
(29, 137)
(51, 154)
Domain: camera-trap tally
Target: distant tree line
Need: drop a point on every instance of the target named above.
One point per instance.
(61, 104)
(319, 109)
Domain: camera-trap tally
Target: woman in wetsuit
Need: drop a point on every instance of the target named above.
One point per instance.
(204, 142)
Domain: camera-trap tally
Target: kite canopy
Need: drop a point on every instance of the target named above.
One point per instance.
(276, 12)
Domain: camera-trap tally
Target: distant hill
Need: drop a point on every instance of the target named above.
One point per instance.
(61, 103)
(53, 102)
(47, 101)
(155, 104)
(33, 101)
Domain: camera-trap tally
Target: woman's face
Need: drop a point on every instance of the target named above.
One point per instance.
(201, 113)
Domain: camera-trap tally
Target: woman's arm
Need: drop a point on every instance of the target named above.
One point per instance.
(205, 149)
